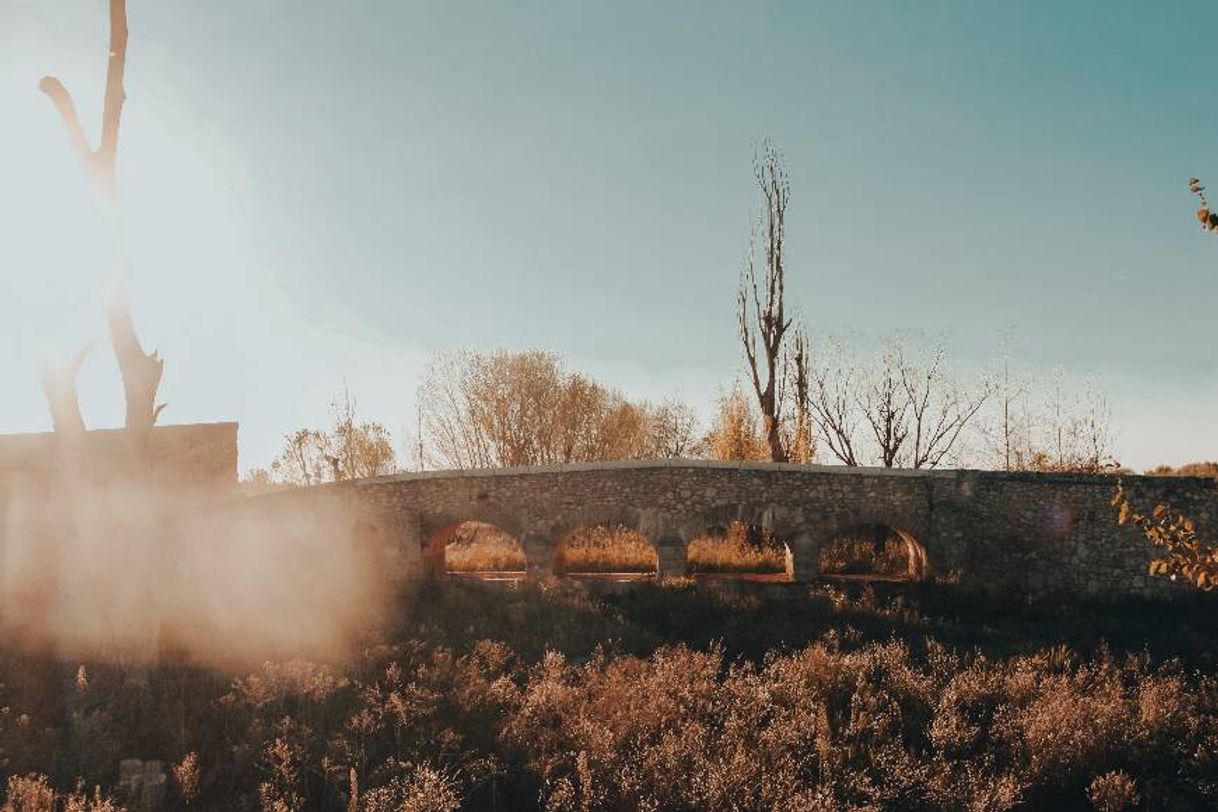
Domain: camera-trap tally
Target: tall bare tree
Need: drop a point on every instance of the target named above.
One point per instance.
(141, 372)
(760, 308)
(1075, 432)
(1011, 390)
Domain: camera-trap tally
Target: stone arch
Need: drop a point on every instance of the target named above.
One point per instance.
(871, 550)
(742, 549)
(605, 549)
(503, 554)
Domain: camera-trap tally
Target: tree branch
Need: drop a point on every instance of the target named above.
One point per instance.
(59, 384)
(99, 165)
(141, 372)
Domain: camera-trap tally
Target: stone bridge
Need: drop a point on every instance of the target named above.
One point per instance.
(1028, 531)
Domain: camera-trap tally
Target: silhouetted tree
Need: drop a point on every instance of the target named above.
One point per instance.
(141, 372)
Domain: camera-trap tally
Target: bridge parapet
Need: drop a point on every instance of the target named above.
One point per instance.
(1035, 532)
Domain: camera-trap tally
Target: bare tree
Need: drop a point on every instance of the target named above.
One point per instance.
(801, 442)
(761, 316)
(1077, 430)
(1011, 437)
(939, 408)
(832, 401)
(912, 409)
(885, 406)
(141, 372)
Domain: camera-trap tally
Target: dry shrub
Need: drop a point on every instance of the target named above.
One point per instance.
(283, 762)
(481, 547)
(29, 793)
(843, 723)
(873, 728)
(1113, 792)
(33, 793)
(859, 556)
(738, 549)
(80, 801)
(186, 777)
(606, 549)
(417, 789)
(681, 730)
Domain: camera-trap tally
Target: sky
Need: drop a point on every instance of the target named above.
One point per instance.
(316, 193)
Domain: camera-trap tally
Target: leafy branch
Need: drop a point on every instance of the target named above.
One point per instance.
(1185, 555)
(1209, 219)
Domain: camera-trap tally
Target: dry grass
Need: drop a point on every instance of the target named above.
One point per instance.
(481, 547)
(858, 556)
(737, 550)
(867, 703)
(606, 549)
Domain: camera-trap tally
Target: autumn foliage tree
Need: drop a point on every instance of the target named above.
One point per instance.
(736, 433)
(509, 408)
(348, 448)
(1200, 469)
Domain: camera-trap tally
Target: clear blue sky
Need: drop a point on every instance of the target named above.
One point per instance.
(317, 190)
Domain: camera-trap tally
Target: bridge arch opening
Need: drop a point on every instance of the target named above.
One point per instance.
(606, 550)
(477, 550)
(742, 550)
(873, 552)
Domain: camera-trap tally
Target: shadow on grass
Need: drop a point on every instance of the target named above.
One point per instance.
(751, 619)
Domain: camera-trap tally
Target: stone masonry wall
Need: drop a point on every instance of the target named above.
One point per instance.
(193, 455)
(1034, 532)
